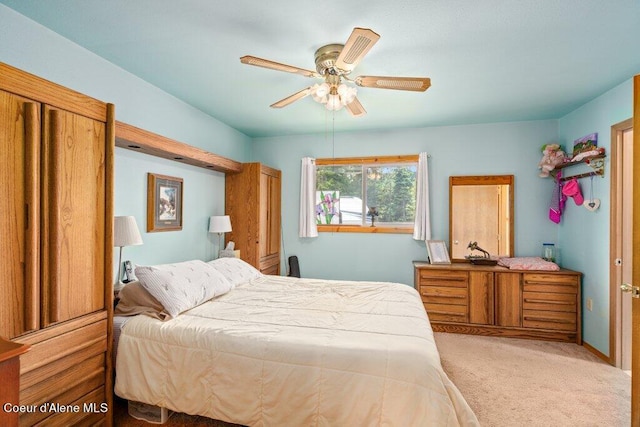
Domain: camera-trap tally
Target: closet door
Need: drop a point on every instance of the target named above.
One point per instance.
(269, 220)
(73, 206)
(19, 221)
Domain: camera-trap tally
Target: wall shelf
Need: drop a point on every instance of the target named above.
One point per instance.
(143, 141)
(594, 162)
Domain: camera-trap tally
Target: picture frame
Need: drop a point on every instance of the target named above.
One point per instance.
(164, 203)
(437, 252)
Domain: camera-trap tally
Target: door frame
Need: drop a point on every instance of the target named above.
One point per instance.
(615, 243)
(635, 334)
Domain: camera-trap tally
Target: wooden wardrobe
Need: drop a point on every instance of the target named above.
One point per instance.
(252, 201)
(56, 178)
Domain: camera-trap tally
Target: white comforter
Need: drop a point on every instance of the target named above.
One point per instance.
(280, 351)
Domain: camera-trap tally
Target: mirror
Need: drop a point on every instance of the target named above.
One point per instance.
(481, 210)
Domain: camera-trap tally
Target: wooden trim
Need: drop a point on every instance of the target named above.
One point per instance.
(143, 141)
(363, 229)
(32, 199)
(497, 331)
(481, 180)
(597, 352)
(55, 241)
(10, 349)
(24, 84)
(61, 328)
(615, 242)
(635, 302)
(411, 158)
(108, 253)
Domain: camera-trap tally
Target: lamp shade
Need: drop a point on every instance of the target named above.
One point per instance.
(125, 231)
(219, 224)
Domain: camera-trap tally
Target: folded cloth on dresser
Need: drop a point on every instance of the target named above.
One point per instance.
(528, 263)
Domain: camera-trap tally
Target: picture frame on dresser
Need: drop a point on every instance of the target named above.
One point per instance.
(164, 203)
(437, 252)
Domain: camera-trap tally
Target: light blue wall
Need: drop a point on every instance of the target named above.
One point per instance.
(496, 149)
(585, 235)
(31, 47)
(502, 148)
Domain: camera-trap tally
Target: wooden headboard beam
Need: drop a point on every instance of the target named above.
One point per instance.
(133, 138)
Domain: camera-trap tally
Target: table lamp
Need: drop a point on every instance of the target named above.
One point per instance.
(125, 233)
(220, 225)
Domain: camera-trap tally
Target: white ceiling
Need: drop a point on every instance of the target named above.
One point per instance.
(488, 60)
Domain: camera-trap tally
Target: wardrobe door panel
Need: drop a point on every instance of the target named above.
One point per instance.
(264, 216)
(274, 215)
(74, 233)
(19, 215)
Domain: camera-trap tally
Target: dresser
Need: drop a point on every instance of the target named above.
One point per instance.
(494, 300)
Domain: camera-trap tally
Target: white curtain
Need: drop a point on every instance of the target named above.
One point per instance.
(308, 227)
(422, 225)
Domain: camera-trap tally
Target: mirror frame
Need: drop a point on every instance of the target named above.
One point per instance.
(482, 180)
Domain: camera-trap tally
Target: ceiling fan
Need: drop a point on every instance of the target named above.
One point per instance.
(334, 62)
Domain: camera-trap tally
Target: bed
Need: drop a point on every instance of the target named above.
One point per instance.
(273, 351)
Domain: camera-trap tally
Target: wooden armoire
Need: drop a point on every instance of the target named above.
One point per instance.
(56, 221)
(252, 201)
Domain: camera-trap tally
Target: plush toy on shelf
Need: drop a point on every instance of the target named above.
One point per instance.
(552, 156)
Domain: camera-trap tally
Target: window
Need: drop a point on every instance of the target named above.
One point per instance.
(366, 194)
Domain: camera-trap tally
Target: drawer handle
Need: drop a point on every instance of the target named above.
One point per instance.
(444, 296)
(544, 301)
(448, 313)
(445, 279)
(533, 282)
(544, 319)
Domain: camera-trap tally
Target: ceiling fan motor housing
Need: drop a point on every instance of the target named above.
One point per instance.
(326, 59)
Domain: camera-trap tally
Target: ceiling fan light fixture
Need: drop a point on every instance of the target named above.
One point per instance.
(316, 97)
(334, 62)
(334, 103)
(347, 94)
(323, 90)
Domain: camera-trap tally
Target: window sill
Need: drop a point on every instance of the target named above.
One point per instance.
(361, 229)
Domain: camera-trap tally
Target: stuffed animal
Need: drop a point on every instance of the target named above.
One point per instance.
(552, 156)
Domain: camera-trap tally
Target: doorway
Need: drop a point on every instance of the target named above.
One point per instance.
(621, 243)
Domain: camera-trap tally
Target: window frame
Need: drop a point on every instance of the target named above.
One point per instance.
(371, 160)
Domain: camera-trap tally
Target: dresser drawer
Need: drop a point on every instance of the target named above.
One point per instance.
(553, 283)
(455, 279)
(549, 301)
(447, 312)
(444, 295)
(556, 320)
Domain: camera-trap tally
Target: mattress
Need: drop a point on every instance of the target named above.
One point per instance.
(287, 351)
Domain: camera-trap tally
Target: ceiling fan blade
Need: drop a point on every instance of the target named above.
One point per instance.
(259, 62)
(416, 84)
(357, 46)
(355, 108)
(293, 98)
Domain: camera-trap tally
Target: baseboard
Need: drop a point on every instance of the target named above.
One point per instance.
(597, 353)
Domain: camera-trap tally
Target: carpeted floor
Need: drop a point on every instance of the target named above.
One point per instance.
(514, 382)
(509, 383)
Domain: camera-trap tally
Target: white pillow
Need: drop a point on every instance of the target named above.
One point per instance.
(235, 270)
(182, 286)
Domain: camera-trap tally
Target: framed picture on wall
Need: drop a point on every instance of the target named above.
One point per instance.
(164, 203)
(437, 252)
